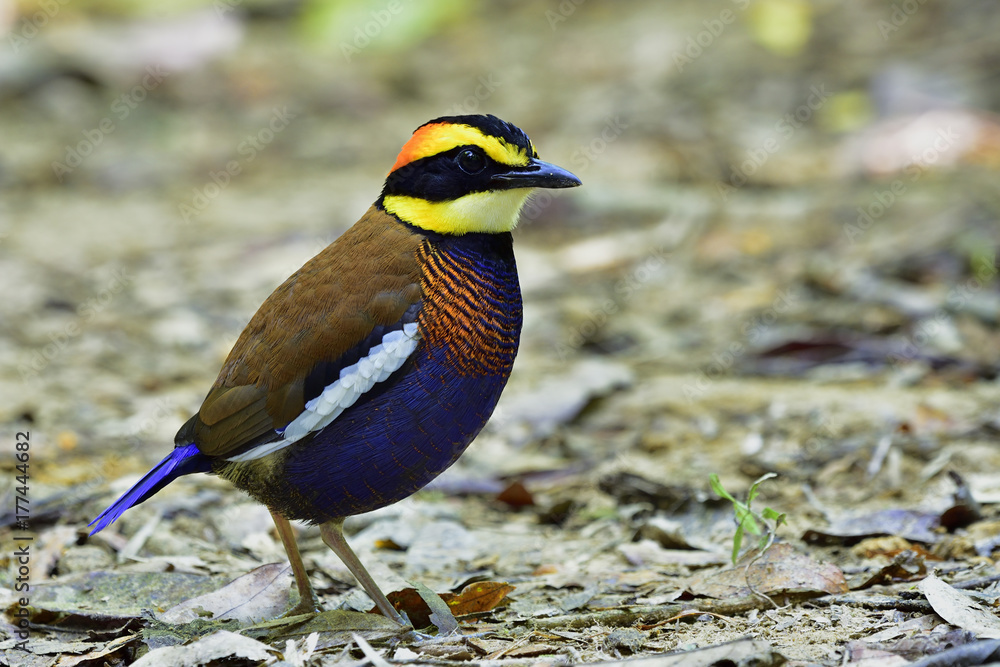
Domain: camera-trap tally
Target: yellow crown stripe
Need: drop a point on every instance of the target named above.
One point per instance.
(440, 137)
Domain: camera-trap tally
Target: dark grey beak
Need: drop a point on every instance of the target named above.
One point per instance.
(536, 174)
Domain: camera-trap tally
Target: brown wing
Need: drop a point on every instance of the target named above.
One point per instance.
(367, 277)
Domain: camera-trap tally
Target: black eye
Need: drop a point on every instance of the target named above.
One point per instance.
(471, 161)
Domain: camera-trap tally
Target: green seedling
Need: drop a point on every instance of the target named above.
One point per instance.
(763, 525)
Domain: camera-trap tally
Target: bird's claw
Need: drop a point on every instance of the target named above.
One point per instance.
(303, 607)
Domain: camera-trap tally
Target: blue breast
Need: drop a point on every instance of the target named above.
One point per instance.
(411, 427)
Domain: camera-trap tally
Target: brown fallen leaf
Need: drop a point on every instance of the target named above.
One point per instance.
(905, 566)
(780, 571)
(888, 545)
(409, 602)
(516, 495)
(478, 597)
(474, 598)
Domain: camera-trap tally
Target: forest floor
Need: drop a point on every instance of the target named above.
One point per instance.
(776, 264)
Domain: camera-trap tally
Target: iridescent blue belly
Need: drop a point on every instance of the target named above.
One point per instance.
(384, 449)
(408, 429)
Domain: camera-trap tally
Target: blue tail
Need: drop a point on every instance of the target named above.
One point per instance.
(181, 461)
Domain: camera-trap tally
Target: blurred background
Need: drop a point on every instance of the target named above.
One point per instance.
(783, 258)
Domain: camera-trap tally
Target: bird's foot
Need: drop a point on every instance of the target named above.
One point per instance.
(417, 637)
(305, 606)
(442, 638)
(423, 639)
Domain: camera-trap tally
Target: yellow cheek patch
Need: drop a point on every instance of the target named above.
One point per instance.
(490, 212)
(440, 137)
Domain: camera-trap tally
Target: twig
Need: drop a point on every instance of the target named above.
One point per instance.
(647, 614)
(977, 583)
(876, 603)
(746, 570)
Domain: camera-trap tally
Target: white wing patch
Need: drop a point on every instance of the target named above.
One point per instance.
(381, 361)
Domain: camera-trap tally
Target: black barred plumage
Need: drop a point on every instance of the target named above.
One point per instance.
(369, 371)
(473, 295)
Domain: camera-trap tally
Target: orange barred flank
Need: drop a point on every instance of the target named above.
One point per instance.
(467, 312)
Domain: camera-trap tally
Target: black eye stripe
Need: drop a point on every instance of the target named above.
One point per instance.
(440, 178)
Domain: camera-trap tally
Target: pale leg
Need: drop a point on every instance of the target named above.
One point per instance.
(333, 535)
(307, 598)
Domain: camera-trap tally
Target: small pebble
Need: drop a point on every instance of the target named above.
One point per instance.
(625, 640)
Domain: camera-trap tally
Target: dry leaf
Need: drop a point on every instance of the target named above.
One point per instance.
(905, 566)
(913, 525)
(110, 649)
(478, 597)
(959, 609)
(530, 651)
(409, 602)
(259, 594)
(222, 645)
(780, 571)
(440, 614)
(516, 495)
(474, 598)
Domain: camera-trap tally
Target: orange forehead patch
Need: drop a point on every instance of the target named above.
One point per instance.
(440, 137)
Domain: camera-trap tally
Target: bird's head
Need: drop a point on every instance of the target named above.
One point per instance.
(462, 174)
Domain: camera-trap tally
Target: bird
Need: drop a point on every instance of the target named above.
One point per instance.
(370, 370)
